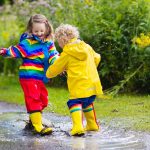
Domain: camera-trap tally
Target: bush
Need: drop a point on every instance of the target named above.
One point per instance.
(108, 26)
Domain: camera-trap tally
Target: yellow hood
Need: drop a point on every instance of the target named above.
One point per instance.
(76, 49)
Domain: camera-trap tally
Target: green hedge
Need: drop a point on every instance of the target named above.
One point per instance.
(108, 26)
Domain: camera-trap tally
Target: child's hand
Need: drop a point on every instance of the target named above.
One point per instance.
(2, 51)
(63, 73)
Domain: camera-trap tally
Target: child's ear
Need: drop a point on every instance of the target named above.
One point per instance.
(65, 40)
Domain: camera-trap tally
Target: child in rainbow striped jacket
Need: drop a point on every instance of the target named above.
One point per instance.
(80, 62)
(37, 51)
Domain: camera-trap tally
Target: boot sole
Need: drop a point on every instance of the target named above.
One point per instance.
(79, 135)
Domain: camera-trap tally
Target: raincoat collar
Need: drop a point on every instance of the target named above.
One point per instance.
(39, 40)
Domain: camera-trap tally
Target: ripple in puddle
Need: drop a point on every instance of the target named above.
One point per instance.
(12, 125)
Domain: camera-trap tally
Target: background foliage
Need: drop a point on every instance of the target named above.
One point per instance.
(108, 26)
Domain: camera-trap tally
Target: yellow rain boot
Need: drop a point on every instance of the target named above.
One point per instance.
(76, 115)
(36, 119)
(90, 116)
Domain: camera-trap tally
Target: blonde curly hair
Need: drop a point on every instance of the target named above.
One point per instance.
(66, 32)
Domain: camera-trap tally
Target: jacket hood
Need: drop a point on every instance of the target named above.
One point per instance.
(76, 49)
(32, 36)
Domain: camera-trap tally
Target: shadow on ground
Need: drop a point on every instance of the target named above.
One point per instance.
(13, 137)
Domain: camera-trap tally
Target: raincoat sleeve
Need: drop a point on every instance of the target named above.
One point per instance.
(97, 58)
(17, 51)
(53, 53)
(58, 66)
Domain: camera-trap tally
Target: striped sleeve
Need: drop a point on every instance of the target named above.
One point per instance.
(17, 51)
(53, 53)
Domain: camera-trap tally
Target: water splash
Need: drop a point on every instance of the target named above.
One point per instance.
(12, 134)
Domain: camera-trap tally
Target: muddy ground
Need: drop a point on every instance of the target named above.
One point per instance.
(110, 137)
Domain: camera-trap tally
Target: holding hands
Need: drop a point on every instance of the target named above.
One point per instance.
(2, 51)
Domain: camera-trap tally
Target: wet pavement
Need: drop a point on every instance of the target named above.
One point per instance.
(13, 137)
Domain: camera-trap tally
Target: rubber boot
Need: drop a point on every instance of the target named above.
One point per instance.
(76, 115)
(90, 116)
(36, 119)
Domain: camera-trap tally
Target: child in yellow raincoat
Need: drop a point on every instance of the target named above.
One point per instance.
(80, 62)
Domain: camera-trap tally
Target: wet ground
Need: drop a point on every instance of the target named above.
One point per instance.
(13, 137)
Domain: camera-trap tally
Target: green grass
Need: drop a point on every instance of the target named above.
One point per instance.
(133, 111)
(10, 90)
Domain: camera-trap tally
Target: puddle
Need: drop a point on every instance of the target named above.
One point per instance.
(12, 135)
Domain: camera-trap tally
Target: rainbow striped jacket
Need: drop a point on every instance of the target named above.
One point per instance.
(37, 56)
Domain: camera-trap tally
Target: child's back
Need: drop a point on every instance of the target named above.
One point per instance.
(80, 62)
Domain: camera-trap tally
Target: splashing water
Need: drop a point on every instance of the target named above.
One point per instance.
(13, 136)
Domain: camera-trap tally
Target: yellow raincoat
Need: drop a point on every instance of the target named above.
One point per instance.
(80, 62)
